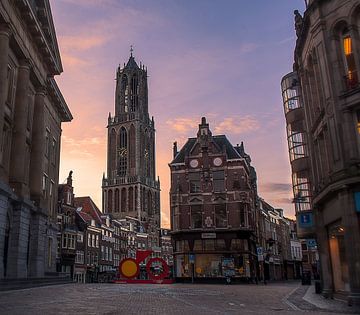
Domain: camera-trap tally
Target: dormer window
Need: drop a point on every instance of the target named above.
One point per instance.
(349, 61)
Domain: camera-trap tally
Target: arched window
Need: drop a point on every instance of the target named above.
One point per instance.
(150, 203)
(112, 152)
(349, 60)
(123, 200)
(134, 93)
(136, 197)
(117, 200)
(143, 205)
(110, 201)
(125, 90)
(122, 151)
(131, 199)
(132, 146)
(146, 153)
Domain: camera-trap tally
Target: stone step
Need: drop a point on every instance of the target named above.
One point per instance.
(17, 284)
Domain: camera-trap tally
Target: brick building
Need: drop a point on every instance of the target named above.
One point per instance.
(213, 209)
(32, 109)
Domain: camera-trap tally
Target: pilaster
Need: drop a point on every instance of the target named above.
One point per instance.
(4, 53)
(18, 178)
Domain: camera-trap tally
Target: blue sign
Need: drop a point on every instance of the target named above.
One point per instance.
(357, 201)
(259, 250)
(311, 243)
(192, 258)
(306, 220)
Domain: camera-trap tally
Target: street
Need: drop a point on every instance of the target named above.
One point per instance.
(279, 298)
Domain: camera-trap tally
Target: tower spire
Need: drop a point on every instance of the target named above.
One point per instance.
(131, 50)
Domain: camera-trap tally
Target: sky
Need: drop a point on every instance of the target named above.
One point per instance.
(222, 59)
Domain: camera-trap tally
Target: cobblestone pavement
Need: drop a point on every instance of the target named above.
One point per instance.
(279, 298)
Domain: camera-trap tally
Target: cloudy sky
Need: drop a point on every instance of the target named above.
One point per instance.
(222, 59)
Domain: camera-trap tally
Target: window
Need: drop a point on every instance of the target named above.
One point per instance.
(110, 253)
(80, 238)
(196, 216)
(47, 142)
(220, 216)
(194, 179)
(93, 240)
(122, 151)
(53, 151)
(89, 240)
(102, 252)
(79, 259)
(106, 253)
(50, 242)
(97, 241)
(44, 185)
(68, 241)
(358, 121)
(350, 66)
(218, 180)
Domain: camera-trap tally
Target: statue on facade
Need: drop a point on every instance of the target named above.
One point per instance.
(298, 22)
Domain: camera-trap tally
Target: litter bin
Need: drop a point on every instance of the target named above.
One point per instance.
(317, 287)
(306, 278)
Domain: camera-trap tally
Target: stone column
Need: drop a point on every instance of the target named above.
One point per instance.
(37, 246)
(4, 53)
(18, 149)
(324, 255)
(37, 146)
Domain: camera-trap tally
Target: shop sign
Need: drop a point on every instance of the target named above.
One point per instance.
(259, 251)
(306, 220)
(208, 235)
(311, 243)
(192, 258)
(357, 201)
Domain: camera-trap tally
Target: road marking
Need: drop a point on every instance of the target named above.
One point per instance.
(287, 302)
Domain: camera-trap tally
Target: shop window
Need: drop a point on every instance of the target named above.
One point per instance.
(237, 244)
(194, 179)
(218, 181)
(209, 245)
(358, 121)
(196, 216)
(220, 216)
(350, 66)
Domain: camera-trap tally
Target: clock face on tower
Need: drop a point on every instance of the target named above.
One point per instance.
(194, 163)
(217, 161)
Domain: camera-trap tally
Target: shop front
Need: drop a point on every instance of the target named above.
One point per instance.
(214, 260)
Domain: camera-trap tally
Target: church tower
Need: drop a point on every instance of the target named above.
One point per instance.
(130, 187)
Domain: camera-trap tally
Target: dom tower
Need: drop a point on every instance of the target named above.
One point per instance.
(130, 188)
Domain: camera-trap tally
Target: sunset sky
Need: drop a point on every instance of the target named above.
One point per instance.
(222, 59)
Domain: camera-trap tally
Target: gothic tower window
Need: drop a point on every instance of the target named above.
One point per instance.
(110, 201)
(123, 200)
(134, 93)
(150, 206)
(117, 200)
(125, 89)
(131, 199)
(349, 60)
(122, 151)
(132, 147)
(112, 151)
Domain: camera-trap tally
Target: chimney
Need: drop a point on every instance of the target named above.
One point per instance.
(175, 151)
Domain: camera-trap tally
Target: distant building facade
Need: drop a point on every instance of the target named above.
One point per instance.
(322, 110)
(32, 109)
(130, 187)
(213, 209)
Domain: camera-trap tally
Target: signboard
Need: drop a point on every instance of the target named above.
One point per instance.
(208, 235)
(259, 251)
(357, 201)
(192, 258)
(306, 220)
(311, 243)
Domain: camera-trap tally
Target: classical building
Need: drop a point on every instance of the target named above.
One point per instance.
(322, 110)
(130, 187)
(213, 209)
(32, 109)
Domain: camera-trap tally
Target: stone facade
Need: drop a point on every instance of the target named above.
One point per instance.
(31, 112)
(213, 209)
(130, 187)
(322, 109)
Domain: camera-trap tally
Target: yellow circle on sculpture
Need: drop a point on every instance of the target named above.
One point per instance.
(198, 270)
(129, 268)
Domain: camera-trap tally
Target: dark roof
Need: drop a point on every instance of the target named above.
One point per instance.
(131, 64)
(221, 141)
(89, 207)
